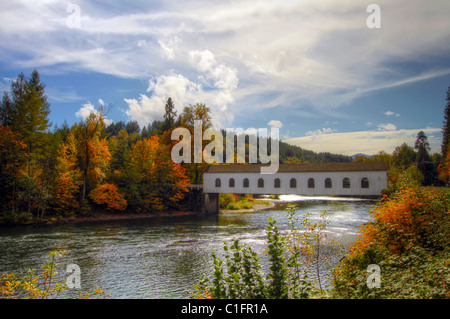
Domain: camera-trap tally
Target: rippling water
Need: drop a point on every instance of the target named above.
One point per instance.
(161, 257)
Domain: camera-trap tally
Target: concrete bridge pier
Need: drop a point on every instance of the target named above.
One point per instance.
(212, 203)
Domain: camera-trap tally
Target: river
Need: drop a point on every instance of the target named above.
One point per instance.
(161, 257)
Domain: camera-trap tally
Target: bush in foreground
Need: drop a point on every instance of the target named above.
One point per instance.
(409, 240)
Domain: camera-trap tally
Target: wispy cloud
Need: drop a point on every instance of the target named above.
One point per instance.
(390, 113)
(368, 142)
(275, 124)
(250, 55)
(320, 132)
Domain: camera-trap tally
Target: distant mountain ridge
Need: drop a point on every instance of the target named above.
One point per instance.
(295, 154)
(360, 154)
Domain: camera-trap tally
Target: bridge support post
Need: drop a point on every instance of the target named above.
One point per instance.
(212, 203)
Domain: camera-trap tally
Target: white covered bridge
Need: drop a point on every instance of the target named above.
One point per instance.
(341, 179)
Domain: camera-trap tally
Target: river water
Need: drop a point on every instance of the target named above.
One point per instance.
(162, 257)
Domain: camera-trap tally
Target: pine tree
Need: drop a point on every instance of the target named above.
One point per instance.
(446, 128)
(170, 115)
(423, 159)
(26, 110)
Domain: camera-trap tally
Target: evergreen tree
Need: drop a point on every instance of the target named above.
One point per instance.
(423, 159)
(403, 156)
(446, 128)
(26, 110)
(132, 127)
(170, 115)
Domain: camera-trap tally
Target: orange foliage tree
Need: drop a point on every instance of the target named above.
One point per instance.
(400, 222)
(160, 181)
(408, 239)
(108, 194)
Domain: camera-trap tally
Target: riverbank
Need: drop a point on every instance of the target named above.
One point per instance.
(256, 207)
(98, 216)
(102, 216)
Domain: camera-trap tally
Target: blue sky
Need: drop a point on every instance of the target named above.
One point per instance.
(310, 67)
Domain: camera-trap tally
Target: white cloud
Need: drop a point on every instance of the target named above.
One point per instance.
(168, 47)
(367, 142)
(183, 92)
(146, 109)
(253, 53)
(142, 43)
(386, 127)
(89, 108)
(223, 76)
(275, 124)
(217, 95)
(86, 110)
(320, 132)
(390, 113)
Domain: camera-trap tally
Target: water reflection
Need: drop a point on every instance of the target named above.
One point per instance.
(161, 257)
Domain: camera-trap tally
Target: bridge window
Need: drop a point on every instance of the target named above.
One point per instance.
(217, 182)
(364, 183)
(246, 183)
(260, 183)
(277, 183)
(328, 183)
(231, 182)
(311, 183)
(346, 182)
(293, 183)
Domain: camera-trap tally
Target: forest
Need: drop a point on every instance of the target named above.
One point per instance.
(51, 170)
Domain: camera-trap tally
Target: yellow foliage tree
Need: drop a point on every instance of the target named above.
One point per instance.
(68, 178)
(160, 180)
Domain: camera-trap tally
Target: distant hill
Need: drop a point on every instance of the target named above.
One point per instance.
(295, 154)
(360, 154)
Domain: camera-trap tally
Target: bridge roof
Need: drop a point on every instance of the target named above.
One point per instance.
(294, 168)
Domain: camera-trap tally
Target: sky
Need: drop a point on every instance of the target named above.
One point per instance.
(316, 69)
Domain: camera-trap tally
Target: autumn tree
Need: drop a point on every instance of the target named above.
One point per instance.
(159, 181)
(68, 180)
(108, 195)
(93, 152)
(197, 112)
(12, 164)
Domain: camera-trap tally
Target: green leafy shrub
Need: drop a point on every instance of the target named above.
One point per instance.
(225, 199)
(239, 274)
